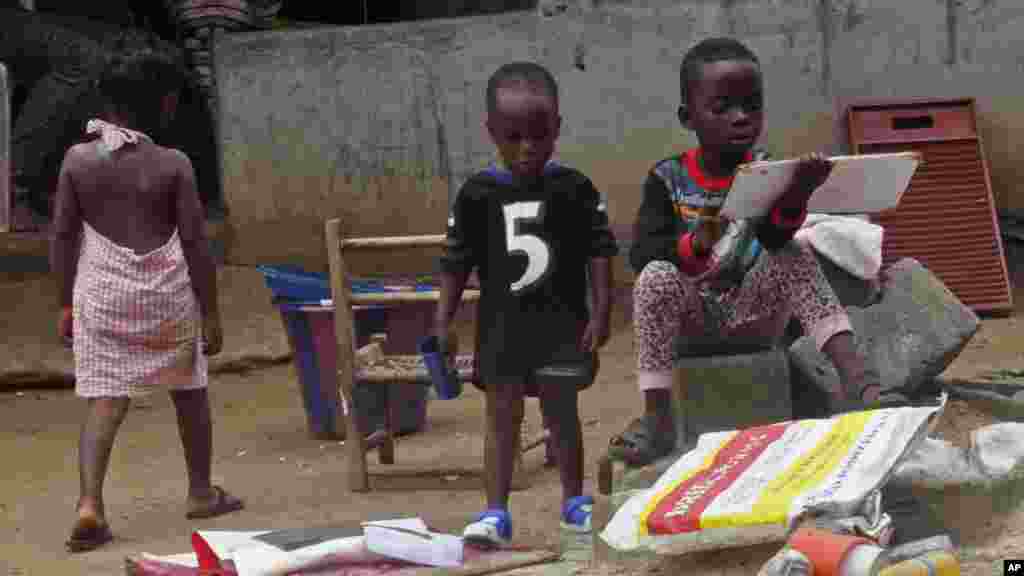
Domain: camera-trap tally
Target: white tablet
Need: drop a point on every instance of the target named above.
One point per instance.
(863, 184)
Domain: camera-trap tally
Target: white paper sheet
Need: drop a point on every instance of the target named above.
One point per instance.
(410, 540)
(864, 184)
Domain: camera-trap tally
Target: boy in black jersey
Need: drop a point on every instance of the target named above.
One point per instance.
(533, 229)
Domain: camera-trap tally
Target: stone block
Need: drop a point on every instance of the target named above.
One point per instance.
(911, 335)
(730, 392)
(716, 393)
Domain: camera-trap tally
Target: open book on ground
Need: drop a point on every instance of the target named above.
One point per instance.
(863, 184)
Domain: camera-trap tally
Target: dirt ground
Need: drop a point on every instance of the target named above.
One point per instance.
(262, 453)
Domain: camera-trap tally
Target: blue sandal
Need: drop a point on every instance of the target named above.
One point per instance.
(576, 514)
(491, 529)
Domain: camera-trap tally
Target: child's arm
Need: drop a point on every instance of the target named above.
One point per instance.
(659, 233)
(603, 248)
(64, 247)
(790, 211)
(452, 286)
(194, 245)
(457, 261)
(599, 329)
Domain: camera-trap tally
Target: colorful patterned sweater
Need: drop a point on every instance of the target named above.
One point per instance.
(675, 194)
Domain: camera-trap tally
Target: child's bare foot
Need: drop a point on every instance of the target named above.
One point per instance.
(218, 503)
(89, 532)
(865, 393)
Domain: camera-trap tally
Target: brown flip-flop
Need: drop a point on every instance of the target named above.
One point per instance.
(641, 443)
(224, 503)
(88, 534)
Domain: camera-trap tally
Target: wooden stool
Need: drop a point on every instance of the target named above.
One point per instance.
(369, 364)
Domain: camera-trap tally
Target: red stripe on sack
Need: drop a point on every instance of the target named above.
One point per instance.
(680, 510)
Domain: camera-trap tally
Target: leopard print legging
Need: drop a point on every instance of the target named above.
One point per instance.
(667, 306)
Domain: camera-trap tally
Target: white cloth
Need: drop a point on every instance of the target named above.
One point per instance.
(852, 243)
(112, 136)
(136, 320)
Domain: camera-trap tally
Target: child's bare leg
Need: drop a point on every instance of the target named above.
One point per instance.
(794, 274)
(505, 416)
(664, 304)
(196, 430)
(550, 448)
(560, 406)
(858, 383)
(103, 419)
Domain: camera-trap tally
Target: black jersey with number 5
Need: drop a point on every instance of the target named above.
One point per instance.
(531, 244)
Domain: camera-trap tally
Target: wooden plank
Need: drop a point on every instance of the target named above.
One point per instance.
(423, 471)
(386, 451)
(405, 297)
(389, 242)
(358, 477)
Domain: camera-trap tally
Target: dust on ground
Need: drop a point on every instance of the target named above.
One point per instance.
(263, 453)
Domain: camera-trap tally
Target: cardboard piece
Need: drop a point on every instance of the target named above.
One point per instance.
(863, 184)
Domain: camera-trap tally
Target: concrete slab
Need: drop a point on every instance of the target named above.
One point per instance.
(715, 393)
(914, 332)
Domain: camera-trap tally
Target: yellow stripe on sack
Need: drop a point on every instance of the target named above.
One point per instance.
(803, 475)
(654, 502)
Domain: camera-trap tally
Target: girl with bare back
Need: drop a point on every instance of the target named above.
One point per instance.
(137, 284)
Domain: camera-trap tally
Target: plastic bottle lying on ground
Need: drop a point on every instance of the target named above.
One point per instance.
(833, 554)
(919, 548)
(935, 563)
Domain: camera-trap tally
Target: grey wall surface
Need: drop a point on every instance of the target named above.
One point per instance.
(6, 87)
(380, 125)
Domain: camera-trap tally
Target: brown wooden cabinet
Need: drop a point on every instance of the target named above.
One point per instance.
(947, 218)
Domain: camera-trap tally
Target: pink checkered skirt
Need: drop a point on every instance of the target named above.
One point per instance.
(137, 327)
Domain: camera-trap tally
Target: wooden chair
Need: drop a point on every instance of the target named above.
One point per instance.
(369, 365)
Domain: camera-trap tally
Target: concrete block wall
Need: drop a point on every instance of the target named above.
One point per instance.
(381, 124)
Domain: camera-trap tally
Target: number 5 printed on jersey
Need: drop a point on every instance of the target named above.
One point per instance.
(536, 250)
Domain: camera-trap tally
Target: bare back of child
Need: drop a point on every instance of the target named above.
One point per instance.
(132, 199)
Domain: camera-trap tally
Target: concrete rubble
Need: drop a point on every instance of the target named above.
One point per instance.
(995, 454)
(910, 335)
